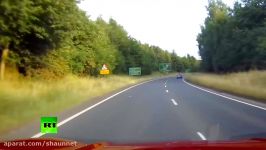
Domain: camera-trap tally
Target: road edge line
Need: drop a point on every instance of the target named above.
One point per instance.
(174, 102)
(201, 136)
(224, 96)
(94, 105)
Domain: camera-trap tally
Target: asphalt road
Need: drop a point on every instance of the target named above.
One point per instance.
(161, 111)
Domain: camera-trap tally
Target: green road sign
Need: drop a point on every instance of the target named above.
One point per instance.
(48, 124)
(188, 70)
(134, 71)
(165, 67)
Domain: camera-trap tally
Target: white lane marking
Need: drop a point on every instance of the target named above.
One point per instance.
(166, 91)
(174, 102)
(89, 108)
(165, 82)
(224, 96)
(165, 86)
(201, 136)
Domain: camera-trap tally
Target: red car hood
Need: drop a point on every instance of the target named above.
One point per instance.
(41, 143)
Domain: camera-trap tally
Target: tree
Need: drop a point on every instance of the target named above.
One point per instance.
(14, 23)
(233, 40)
(31, 28)
(53, 38)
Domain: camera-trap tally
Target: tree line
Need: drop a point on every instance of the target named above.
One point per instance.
(234, 39)
(53, 38)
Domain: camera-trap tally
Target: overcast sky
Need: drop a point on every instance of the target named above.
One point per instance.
(169, 24)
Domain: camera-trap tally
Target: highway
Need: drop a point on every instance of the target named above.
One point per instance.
(164, 110)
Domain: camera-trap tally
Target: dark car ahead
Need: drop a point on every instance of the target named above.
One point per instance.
(179, 76)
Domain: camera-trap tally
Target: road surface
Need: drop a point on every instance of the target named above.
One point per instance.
(161, 111)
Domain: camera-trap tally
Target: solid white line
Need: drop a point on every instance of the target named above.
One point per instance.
(166, 91)
(89, 108)
(201, 136)
(174, 102)
(37, 135)
(224, 96)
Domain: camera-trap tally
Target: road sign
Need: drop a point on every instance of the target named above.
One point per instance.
(104, 67)
(104, 70)
(165, 67)
(134, 71)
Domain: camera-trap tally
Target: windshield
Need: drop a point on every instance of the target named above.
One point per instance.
(131, 71)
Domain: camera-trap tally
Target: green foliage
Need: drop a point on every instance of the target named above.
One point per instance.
(50, 39)
(234, 40)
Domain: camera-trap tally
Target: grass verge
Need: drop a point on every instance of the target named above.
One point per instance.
(22, 100)
(250, 84)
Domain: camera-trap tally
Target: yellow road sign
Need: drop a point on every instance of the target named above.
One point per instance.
(104, 72)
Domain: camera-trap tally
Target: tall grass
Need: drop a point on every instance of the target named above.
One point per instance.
(22, 99)
(250, 84)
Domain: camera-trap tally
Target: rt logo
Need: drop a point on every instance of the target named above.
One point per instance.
(48, 124)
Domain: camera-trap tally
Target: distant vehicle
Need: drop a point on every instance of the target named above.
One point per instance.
(179, 76)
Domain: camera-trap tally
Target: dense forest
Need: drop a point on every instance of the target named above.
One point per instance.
(51, 38)
(234, 39)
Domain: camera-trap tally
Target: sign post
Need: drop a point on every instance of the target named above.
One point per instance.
(165, 67)
(104, 70)
(134, 71)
